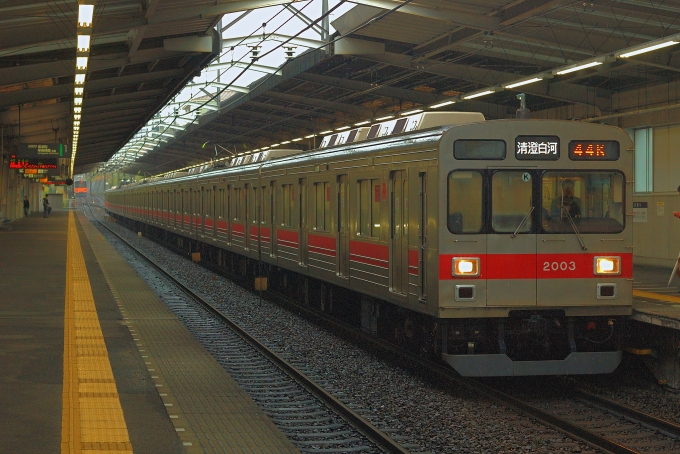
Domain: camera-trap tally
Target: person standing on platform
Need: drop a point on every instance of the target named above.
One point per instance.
(27, 205)
(46, 207)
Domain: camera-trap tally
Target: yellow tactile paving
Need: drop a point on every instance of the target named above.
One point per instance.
(656, 296)
(92, 417)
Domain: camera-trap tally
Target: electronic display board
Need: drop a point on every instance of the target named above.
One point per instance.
(594, 150)
(540, 148)
(43, 150)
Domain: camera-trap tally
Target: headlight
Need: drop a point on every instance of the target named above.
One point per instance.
(607, 265)
(465, 266)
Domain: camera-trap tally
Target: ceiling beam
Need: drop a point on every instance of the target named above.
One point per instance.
(197, 12)
(114, 82)
(104, 100)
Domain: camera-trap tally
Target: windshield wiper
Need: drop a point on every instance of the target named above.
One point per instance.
(524, 219)
(573, 226)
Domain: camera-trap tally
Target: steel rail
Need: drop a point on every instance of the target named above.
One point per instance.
(364, 426)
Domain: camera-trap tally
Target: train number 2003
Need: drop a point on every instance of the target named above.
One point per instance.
(559, 266)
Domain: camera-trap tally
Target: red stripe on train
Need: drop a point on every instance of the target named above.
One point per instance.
(537, 266)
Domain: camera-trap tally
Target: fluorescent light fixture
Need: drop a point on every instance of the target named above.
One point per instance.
(85, 14)
(326, 132)
(78, 91)
(77, 109)
(265, 148)
(384, 118)
(76, 116)
(275, 145)
(80, 79)
(78, 101)
(310, 136)
(76, 122)
(442, 104)
(648, 49)
(411, 112)
(362, 123)
(285, 142)
(81, 62)
(477, 95)
(256, 150)
(297, 140)
(524, 82)
(342, 128)
(578, 68)
(83, 43)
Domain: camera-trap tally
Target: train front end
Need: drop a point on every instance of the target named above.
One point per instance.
(535, 247)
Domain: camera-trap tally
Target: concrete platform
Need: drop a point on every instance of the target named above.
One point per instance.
(56, 352)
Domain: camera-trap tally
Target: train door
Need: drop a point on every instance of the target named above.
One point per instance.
(343, 227)
(511, 242)
(302, 245)
(422, 237)
(399, 232)
(272, 217)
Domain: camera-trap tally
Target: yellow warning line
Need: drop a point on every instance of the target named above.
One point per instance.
(656, 296)
(92, 417)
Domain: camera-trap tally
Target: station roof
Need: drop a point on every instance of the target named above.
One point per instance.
(386, 58)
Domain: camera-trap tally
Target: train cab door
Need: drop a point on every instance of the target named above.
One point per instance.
(511, 241)
(399, 232)
(303, 252)
(343, 227)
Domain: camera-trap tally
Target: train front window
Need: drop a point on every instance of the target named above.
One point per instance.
(465, 202)
(592, 199)
(511, 201)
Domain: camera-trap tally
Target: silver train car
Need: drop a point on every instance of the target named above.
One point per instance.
(503, 247)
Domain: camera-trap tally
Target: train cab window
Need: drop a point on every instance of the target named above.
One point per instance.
(511, 201)
(464, 213)
(369, 208)
(322, 206)
(593, 200)
(479, 149)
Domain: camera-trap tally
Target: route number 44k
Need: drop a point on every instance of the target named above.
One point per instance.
(559, 266)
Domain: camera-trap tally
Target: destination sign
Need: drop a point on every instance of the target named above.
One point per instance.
(594, 150)
(541, 148)
(43, 150)
(26, 163)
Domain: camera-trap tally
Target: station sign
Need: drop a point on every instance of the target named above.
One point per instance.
(43, 150)
(16, 162)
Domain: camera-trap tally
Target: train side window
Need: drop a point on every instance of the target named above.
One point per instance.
(253, 207)
(288, 196)
(511, 200)
(465, 202)
(322, 206)
(369, 208)
(479, 149)
(238, 201)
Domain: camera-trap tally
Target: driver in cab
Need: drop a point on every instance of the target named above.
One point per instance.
(565, 203)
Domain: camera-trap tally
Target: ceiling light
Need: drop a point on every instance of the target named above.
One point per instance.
(648, 49)
(83, 43)
(297, 140)
(342, 128)
(442, 104)
(524, 82)
(362, 123)
(275, 145)
(285, 142)
(578, 68)
(81, 62)
(80, 79)
(85, 13)
(76, 117)
(411, 112)
(78, 91)
(76, 123)
(384, 118)
(477, 95)
(326, 132)
(310, 136)
(78, 101)
(77, 109)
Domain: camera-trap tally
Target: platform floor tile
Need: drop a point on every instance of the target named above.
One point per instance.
(211, 413)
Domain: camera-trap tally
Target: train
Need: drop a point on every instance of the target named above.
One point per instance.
(80, 188)
(500, 247)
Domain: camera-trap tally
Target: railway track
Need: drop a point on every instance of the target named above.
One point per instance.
(603, 424)
(304, 409)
